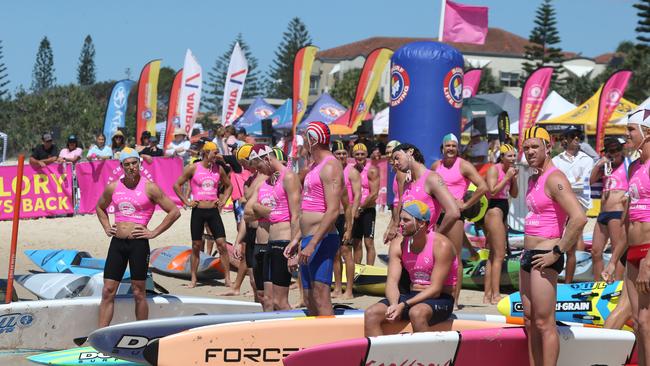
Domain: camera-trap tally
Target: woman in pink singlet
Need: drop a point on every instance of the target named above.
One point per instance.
(205, 177)
(458, 173)
(134, 198)
(502, 184)
(547, 236)
(638, 234)
(612, 171)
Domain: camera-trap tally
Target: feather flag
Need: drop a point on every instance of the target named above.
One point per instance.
(302, 65)
(234, 85)
(610, 96)
(368, 84)
(116, 108)
(190, 92)
(173, 112)
(463, 23)
(532, 97)
(471, 81)
(147, 99)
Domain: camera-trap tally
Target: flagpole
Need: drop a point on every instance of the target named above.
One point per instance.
(442, 19)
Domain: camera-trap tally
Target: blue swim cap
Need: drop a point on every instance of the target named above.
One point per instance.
(128, 152)
(449, 137)
(417, 209)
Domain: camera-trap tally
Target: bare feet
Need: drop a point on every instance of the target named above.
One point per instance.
(298, 305)
(192, 284)
(496, 299)
(336, 293)
(346, 296)
(487, 299)
(230, 292)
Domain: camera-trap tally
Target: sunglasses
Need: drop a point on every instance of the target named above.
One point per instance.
(614, 150)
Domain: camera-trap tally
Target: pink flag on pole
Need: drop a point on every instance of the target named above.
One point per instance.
(464, 23)
(471, 81)
(532, 97)
(610, 96)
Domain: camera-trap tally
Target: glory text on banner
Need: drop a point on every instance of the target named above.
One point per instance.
(46, 191)
(94, 176)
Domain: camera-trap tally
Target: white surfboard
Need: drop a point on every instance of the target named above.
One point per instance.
(53, 324)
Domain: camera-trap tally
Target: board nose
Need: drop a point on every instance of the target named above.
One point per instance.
(150, 353)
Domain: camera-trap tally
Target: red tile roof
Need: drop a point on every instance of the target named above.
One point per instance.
(606, 58)
(499, 42)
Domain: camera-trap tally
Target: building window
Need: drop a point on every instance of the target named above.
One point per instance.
(314, 82)
(509, 79)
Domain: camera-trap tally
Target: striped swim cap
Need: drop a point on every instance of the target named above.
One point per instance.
(259, 150)
(640, 117)
(536, 132)
(360, 147)
(505, 148)
(279, 154)
(244, 152)
(319, 132)
(417, 209)
(337, 145)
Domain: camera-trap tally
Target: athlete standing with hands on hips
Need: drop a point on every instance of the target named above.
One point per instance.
(365, 215)
(321, 196)
(134, 199)
(204, 177)
(547, 236)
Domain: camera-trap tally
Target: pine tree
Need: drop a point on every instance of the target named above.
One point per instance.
(43, 73)
(86, 68)
(488, 84)
(541, 51)
(215, 83)
(281, 72)
(4, 78)
(643, 30)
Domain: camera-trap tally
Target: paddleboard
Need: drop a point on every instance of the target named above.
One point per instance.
(53, 324)
(128, 340)
(266, 342)
(77, 356)
(584, 302)
(174, 261)
(506, 346)
(68, 261)
(49, 286)
(474, 274)
(368, 280)
(585, 267)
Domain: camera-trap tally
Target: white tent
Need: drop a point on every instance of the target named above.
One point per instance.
(380, 123)
(554, 105)
(623, 121)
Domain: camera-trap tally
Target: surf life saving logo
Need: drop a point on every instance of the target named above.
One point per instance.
(207, 185)
(263, 112)
(13, 321)
(300, 105)
(147, 114)
(453, 87)
(399, 85)
(330, 111)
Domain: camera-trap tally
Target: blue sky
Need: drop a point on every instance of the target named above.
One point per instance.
(127, 34)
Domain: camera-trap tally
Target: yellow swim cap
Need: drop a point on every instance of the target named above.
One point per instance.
(505, 148)
(360, 147)
(537, 133)
(244, 151)
(208, 146)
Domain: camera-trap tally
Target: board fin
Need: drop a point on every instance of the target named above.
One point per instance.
(79, 341)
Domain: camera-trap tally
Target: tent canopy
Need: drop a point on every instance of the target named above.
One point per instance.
(251, 120)
(554, 105)
(325, 109)
(587, 113)
(281, 119)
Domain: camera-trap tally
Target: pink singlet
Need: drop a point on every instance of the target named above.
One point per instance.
(420, 265)
(365, 185)
(132, 205)
(313, 195)
(205, 183)
(505, 192)
(617, 181)
(417, 191)
(545, 218)
(640, 192)
(395, 191)
(348, 184)
(456, 182)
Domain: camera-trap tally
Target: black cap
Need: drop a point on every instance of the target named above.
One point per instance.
(146, 134)
(47, 136)
(153, 138)
(572, 130)
(72, 138)
(241, 130)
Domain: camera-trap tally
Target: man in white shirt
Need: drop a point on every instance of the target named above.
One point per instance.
(576, 165)
(289, 141)
(180, 146)
(477, 149)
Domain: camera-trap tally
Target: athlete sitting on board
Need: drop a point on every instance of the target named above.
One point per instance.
(430, 260)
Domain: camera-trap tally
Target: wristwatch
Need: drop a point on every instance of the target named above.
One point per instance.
(557, 250)
(406, 305)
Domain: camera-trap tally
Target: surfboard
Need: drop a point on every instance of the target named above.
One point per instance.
(128, 340)
(68, 261)
(474, 274)
(584, 266)
(53, 324)
(506, 346)
(368, 280)
(267, 342)
(78, 356)
(174, 261)
(583, 302)
(49, 286)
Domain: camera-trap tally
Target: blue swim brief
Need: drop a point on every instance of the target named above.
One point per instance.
(320, 266)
